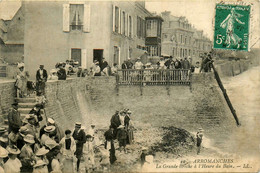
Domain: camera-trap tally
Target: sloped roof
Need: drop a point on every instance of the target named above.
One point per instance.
(8, 9)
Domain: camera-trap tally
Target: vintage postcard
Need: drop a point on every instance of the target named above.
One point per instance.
(129, 86)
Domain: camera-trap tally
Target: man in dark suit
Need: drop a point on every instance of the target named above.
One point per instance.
(80, 138)
(41, 78)
(115, 122)
(14, 119)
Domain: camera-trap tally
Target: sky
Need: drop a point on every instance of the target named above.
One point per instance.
(200, 13)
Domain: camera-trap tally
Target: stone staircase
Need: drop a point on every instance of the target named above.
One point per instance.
(24, 107)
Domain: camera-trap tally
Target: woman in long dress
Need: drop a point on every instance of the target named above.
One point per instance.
(21, 81)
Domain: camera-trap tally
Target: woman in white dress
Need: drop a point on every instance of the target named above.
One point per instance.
(3, 154)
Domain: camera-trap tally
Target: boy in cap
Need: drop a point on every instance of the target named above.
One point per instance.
(80, 138)
(199, 136)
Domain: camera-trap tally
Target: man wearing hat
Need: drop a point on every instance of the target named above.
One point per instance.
(80, 138)
(129, 63)
(27, 155)
(115, 122)
(41, 78)
(14, 119)
(199, 136)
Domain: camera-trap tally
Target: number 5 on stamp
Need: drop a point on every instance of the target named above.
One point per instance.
(231, 27)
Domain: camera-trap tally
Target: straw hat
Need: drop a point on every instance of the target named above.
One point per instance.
(23, 131)
(3, 139)
(49, 129)
(39, 163)
(144, 148)
(29, 116)
(121, 126)
(13, 150)
(200, 129)
(129, 112)
(3, 152)
(51, 121)
(42, 151)
(29, 138)
(2, 130)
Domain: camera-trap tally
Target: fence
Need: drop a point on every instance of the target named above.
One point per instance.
(153, 77)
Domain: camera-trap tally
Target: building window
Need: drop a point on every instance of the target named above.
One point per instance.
(181, 39)
(76, 16)
(116, 19)
(151, 28)
(130, 26)
(185, 40)
(116, 54)
(140, 27)
(123, 23)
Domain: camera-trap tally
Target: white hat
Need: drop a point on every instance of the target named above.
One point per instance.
(13, 150)
(49, 128)
(39, 163)
(3, 152)
(42, 151)
(148, 64)
(121, 126)
(29, 138)
(144, 148)
(51, 121)
(50, 143)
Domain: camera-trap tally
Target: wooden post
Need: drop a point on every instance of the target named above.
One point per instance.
(233, 111)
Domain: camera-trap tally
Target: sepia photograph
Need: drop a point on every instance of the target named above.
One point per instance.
(129, 86)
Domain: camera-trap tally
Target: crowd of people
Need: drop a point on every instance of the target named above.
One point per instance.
(32, 145)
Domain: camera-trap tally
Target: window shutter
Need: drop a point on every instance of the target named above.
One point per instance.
(66, 17)
(114, 17)
(83, 58)
(119, 25)
(86, 24)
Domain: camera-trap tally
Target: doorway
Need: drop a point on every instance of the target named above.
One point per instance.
(98, 54)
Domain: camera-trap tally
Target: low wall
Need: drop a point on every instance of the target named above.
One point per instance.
(7, 95)
(233, 68)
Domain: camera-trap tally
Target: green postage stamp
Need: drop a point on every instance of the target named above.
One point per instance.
(232, 27)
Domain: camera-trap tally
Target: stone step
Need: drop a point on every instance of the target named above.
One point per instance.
(25, 100)
(26, 105)
(26, 110)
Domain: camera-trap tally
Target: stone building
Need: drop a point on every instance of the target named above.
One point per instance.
(12, 37)
(84, 31)
(180, 39)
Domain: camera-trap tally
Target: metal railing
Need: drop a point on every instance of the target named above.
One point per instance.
(153, 77)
